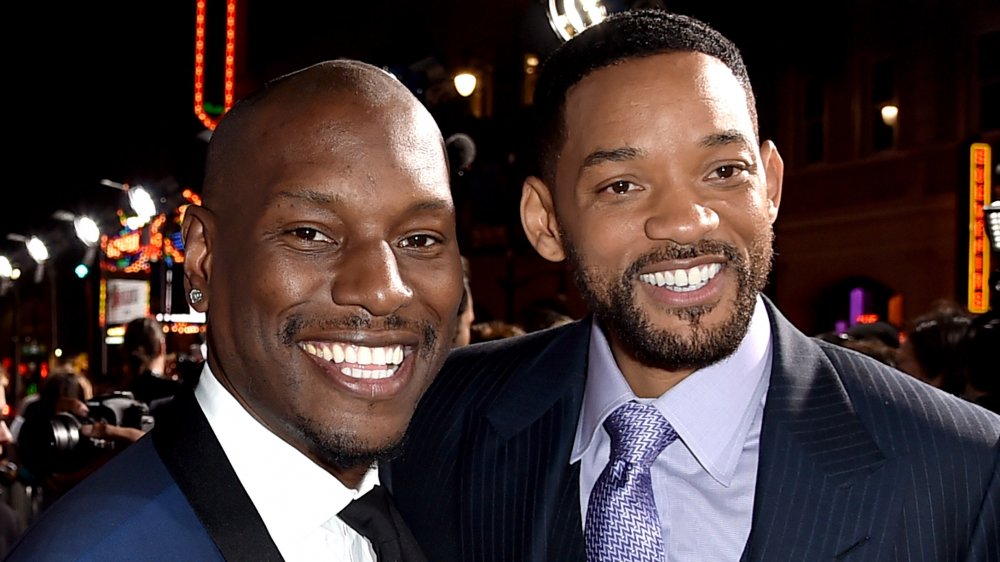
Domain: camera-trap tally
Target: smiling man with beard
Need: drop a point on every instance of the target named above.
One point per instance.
(685, 419)
(325, 258)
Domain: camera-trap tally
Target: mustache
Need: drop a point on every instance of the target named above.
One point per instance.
(296, 323)
(675, 251)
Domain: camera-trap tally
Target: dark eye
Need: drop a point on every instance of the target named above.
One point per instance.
(620, 187)
(310, 235)
(728, 171)
(419, 241)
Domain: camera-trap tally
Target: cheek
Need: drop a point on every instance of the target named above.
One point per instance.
(438, 289)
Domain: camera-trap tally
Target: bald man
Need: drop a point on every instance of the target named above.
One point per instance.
(326, 261)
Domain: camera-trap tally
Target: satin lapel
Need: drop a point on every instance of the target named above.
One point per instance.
(816, 459)
(519, 466)
(194, 457)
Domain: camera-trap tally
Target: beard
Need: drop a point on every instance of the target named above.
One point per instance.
(333, 446)
(613, 302)
(346, 452)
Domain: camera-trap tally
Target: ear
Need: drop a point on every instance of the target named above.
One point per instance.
(774, 169)
(538, 218)
(196, 232)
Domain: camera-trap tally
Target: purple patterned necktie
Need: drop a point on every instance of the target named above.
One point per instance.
(622, 524)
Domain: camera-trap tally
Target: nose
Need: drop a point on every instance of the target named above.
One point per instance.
(368, 276)
(681, 216)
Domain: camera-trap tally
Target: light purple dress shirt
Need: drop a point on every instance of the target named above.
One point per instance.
(704, 482)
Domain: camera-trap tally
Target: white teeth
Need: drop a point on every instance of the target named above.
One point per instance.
(359, 361)
(365, 355)
(367, 373)
(683, 280)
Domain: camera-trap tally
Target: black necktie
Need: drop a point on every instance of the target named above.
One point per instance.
(374, 516)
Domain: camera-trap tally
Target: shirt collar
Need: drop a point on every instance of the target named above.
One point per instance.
(293, 494)
(712, 410)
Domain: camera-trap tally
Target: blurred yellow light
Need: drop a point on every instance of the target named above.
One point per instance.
(465, 83)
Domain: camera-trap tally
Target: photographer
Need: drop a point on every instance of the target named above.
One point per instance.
(60, 441)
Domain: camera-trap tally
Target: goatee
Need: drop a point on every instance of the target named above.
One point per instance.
(613, 302)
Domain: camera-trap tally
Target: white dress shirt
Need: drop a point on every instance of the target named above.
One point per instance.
(297, 499)
(703, 483)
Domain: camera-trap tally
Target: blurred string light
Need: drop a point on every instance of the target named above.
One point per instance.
(569, 17)
(207, 113)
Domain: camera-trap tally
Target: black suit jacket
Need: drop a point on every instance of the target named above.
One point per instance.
(857, 461)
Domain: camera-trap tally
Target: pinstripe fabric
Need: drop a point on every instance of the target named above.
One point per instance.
(858, 461)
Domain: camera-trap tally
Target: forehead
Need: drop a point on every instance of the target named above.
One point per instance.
(395, 147)
(682, 87)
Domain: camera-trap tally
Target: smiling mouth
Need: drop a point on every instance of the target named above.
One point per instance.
(683, 280)
(360, 361)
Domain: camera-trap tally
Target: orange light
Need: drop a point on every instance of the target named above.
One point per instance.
(199, 63)
(979, 257)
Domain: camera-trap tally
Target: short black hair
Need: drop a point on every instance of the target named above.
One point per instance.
(621, 37)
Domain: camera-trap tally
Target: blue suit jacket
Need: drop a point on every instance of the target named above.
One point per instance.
(857, 461)
(172, 495)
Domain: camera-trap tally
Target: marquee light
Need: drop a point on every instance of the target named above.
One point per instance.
(979, 254)
(199, 63)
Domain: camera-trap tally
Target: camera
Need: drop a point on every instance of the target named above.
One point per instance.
(57, 445)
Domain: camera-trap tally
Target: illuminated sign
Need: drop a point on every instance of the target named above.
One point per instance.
(202, 108)
(979, 256)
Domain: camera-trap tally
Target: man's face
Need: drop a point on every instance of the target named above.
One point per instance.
(664, 203)
(334, 277)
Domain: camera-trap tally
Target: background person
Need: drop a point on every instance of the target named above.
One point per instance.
(331, 293)
(685, 418)
(144, 349)
(934, 348)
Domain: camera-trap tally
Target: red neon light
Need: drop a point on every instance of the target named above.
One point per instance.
(867, 318)
(199, 62)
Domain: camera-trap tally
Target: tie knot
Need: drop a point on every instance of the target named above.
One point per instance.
(639, 433)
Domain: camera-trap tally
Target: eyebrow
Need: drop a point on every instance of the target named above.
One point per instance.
(305, 194)
(431, 205)
(725, 138)
(621, 154)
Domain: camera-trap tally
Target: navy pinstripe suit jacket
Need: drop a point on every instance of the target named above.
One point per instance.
(857, 461)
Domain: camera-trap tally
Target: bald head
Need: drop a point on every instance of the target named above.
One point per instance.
(255, 119)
